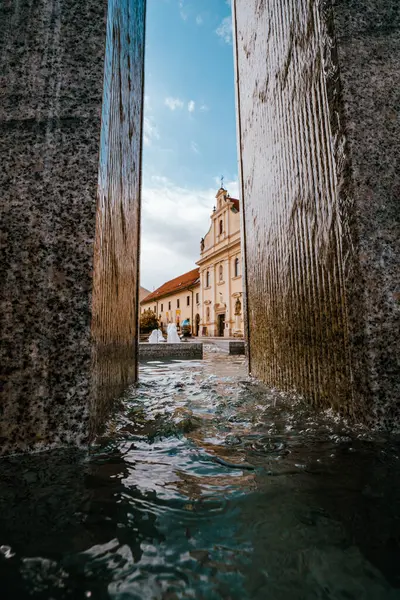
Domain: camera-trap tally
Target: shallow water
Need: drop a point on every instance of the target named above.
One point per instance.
(209, 487)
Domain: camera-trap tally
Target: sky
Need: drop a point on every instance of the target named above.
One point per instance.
(189, 131)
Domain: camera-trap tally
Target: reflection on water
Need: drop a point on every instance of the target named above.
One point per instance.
(210, 487)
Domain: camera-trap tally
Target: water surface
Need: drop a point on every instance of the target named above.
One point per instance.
(206, 486)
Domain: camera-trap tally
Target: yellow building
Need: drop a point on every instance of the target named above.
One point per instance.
(176, 300)
(221, 288)
(211, 296)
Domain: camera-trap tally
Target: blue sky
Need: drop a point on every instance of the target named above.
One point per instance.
(189, 130)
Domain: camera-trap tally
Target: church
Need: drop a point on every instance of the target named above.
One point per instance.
(211, 296)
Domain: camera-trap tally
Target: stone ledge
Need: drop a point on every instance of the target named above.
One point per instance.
(237, 347)
(184, 350)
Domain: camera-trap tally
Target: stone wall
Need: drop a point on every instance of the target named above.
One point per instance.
(52, 66)
(237, 348)
(184, 351)
(116, 254)
(368, 46)
(318, 100)
(318, 124)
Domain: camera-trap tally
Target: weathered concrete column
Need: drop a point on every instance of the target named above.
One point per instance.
(318, 97)
(52, 71)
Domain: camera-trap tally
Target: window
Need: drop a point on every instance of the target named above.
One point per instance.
(221, 227)
(197, 297)
(208, 313)
(169, 305)
(162, 307)
(236, 267)
(187, 300)
(221, 273)
(208, 279)
(155, 309)
(177, 303)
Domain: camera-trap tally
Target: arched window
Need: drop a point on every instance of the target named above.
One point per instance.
(221, 273)
(208, 279)
(236, 267)
(221, 227)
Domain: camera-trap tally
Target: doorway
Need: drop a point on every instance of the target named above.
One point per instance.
(221, 325)
(197, 325)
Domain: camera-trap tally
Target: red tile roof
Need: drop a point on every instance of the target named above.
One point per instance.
(174, 285)
(235, 203)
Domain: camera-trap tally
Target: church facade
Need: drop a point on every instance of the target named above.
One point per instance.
(220, 265)
(212, 295)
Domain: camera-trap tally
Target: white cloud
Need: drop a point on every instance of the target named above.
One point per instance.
(233, 188)
(199, 20)
(174, 219)
(173, 103)
(159, 180)
(195, 147)
(182, 12)
(150, 131)
(204, 108)
(224, 30)
(191, 106)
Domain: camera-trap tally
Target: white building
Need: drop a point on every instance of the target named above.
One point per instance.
(220, 264)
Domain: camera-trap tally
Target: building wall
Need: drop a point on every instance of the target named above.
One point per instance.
(221, 250)
(174, 314)
(320, 186)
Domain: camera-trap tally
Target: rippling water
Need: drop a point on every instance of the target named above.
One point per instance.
(206, 486)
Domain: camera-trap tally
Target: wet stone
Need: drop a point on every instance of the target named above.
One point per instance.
(318, 114)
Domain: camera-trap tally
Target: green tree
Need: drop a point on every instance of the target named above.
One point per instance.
(148, 321)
